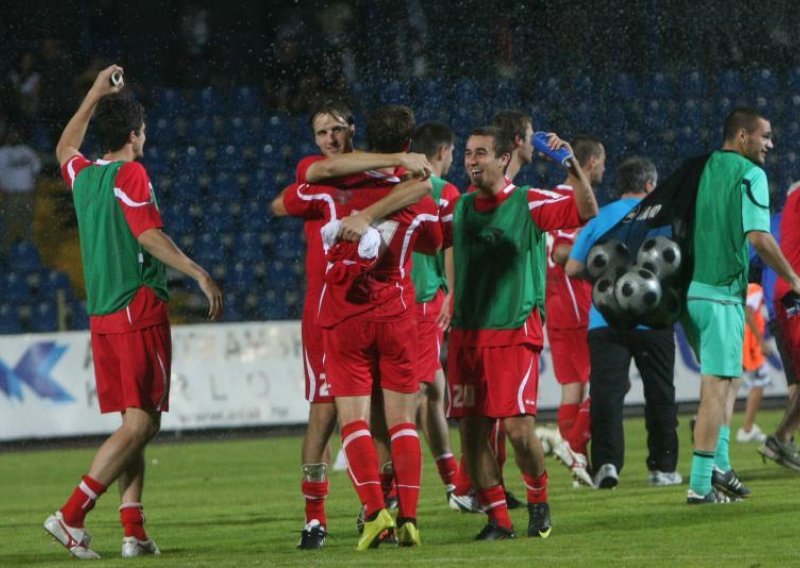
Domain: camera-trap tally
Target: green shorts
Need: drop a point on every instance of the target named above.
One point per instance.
(715, 331)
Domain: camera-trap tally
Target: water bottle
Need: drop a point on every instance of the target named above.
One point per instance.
(561, 156)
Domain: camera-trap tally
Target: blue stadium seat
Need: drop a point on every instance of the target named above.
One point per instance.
(281, 275)
(764, 82)
(244, 99)
(623, 86)
(177, 220)
(78, 317)
(207, 100)
(272, 307)
(224, 188)
(658, 86)
(656, 117)
(168, 101)
(9, 321)
(54, 282)
(288, 245)
(239, 130)
(730, 84)
(691, 112)
(191, 158)
(693, 84)
(431, 94)
(162, 131)
(230, 158)
(248, 247)
(44, 317)
(216, 219)
(688, 141)
(506, 94)
(185, 188)
(394, 93)
(208, 249)
(23, 256)
(241, 276)
(155, 160)
(467, 92)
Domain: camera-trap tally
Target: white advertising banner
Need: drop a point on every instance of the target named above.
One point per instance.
(223, 376)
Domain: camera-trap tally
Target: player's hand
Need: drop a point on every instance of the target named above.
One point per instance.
(214, 295)
(102, 84)
(446, 314)
(416, 164)
(353, 227)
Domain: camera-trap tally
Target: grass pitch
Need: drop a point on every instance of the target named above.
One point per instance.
(237, 503)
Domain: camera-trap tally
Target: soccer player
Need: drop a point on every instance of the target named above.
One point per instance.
(567, 303)
(333, 127)
(496, 233)
(732, 208)
(123, 251)
(369, 328)
(433, 284)
(780, 446)
(611, 351)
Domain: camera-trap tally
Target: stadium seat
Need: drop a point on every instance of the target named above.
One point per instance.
(191, 158)
(623, 86)
(239, 130)
(168, 101)
(655, 116)
(78, 317)
(177, 220)
(764, 82)
(215, 218)
(230, 158)
(244, 99)
(693, 84)
(730, 84)
(44, 317)
(9, 321)
(224, 188)
(207, 101)
(24, 256)
(155, 160)
(248, 248)
(394, 93)
(15, 287)
(242, 276)
(54, 282)
(162, 131)
(281, 275)
(658, 86)
(208, 249)
(467, 93)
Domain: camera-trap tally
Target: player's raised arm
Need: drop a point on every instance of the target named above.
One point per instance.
(74, 132)
(404, 194)
(158, 243)
(585, 201)
(356, 162)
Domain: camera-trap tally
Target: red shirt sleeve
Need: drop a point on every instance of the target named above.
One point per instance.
(552, 210)
(446, 219)
(309, 201)
(135, 195)
(449, 193)
(72, 167)
(429, 239)
(301, 175)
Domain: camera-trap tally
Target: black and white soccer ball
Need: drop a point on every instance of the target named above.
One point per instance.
(638, 291)
(607, 258)
(661, 256)
(604, 297)
(667, 311)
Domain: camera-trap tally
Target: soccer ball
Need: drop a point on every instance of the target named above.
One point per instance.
(604, 298)
(667, 311)
(661, 256)
(609, 258)
(638, 291)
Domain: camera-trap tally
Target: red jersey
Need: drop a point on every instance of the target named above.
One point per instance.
(790, 239)
(567, 300)
(315, 255)
(384, 290)
(550, 211)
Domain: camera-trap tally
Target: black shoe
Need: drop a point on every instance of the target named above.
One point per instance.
(712, 497)
(493, 532)
(728, 482)
(313, 536)
(511, 501)
(782, 453)
(539, 520)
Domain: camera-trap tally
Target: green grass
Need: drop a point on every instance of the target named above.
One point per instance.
(237, 503)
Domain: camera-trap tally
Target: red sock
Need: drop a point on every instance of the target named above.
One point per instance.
(462, 480)
(132, 517)
(581, 431)
(537, 487)
(82, 501)
(315, 493)
(497, 439)
(407, 461)
(362, 465)
(448, 468)
(567, 413)
(493, 500)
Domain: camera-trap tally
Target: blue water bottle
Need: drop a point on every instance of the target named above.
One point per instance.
(561, 156)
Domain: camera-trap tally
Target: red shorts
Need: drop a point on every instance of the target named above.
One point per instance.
(429, 338)
(317, 389)
(132, 370)
(496, 382)
(569, 349)
(788, 342)
(358, 351)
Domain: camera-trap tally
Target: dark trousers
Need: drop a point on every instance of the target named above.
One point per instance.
(654, 353)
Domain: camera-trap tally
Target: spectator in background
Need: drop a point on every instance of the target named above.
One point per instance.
(25, 83)
(56, 87)
(19, 170)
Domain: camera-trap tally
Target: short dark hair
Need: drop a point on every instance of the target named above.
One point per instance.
(512, 123)
(586, 146)
(115, 118)
(429, 137)
(502, 143)
(741, 117)
(633, 174)
(389, 128)
(335, 108)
